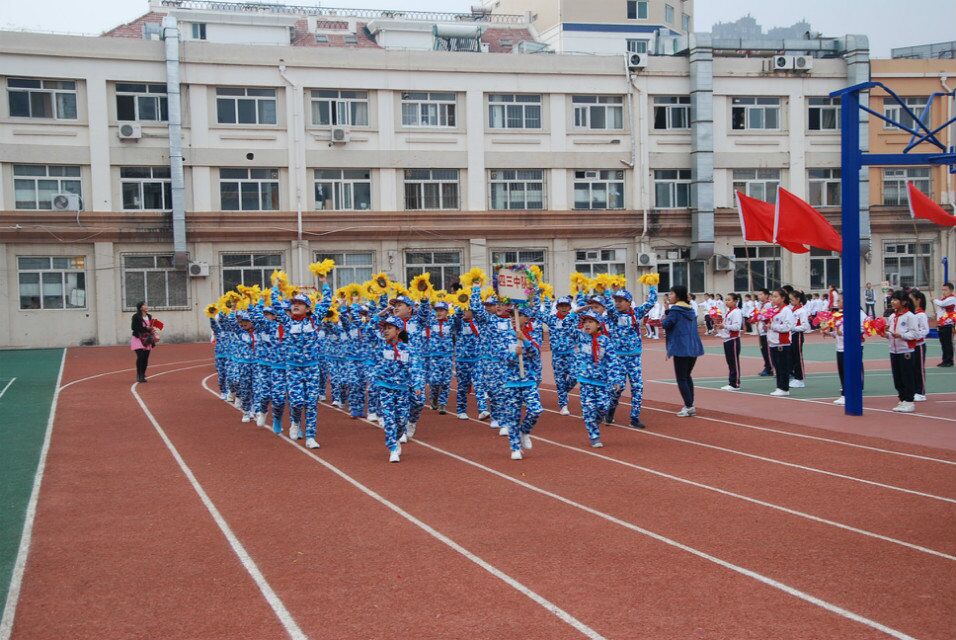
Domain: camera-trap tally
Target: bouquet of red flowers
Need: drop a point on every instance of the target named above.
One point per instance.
(947, 319)
(715, 314)
(875, 327)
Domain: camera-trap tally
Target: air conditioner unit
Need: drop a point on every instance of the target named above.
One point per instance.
(646, 260)
(130, 132)
(723, 263)
(65, 202)
(341, 135)
(198, 269)
(782, 63)
(636, 61)
(802, 63)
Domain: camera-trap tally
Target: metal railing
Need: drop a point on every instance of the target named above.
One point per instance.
(370, 14)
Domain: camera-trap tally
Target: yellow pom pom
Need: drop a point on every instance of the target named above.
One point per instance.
(651, 279)
(547, 291)
(322, 268)
(279, 277)
(580, 282)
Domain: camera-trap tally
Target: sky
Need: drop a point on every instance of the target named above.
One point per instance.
(888, 23)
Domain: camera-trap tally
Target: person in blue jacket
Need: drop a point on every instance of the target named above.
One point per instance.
(624, 323)
(683, 345)
(245, 357)
(595, 368)
(522, 358)
(562, 333)
(438, 351)
(397, 376)
(467, 358)
(222, 350)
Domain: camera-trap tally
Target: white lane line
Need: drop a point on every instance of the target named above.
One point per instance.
(549, 606)
(7, 386)
(783, 463)
(278, 607)
(109, 373)
(790, 433)
(26, 536)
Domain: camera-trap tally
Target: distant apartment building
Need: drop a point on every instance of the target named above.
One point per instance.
(405, 142)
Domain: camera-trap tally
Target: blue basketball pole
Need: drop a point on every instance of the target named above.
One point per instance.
(850, 262)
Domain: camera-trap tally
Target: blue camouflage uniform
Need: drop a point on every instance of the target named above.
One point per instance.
(438, 352)
(520, 390)
(496, 333)
(562, 335)
(467, 356)
(221, 349)
(245, 357)
(397, 376)
(595, 368)
(625, 330)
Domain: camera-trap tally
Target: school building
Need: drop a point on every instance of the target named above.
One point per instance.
(207, 143)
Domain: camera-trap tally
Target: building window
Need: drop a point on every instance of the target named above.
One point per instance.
(516, 188)
(514, 111)
(141, 103)
(350, 266)
(431, 189)
(520, 256)
(245, 105)
(907, 264)
(824, 114)
(155, 280)
(755, 113)
(893, 111)
(824, 187)
(757, 183)
(685, 22)
(249, 189)
(598, 189)
(824, 269)
(636, 10)
(668, 14)
(671, 188)
(592, 262)
(248, 269)
(894, 184)
(34, 185)
(671, 112)
(756, 268)
(673, 266)
(340, 108)
(421, 109)
(343, 189)
(146, 188)
(199, 30)
(32, 98)
(52, 282)
(635, 45)
(444, 267)
(598, 112)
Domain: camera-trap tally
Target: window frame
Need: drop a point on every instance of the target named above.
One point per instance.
(54, 93)
(47, 177)
(343, 188)
(416, 268)
(198, 30)
(587, 265)
(165, 181)
(150, 92)
(824, 105)
(766, 256)
(338, 106)
(521, 256)
(256, 99)
(264, 270)
(768, 195)
(828, 265)
(62, 271)
(637, 45)
(421, 183)
(496, 100)
(833, 176)
(583, 111)
(635, 8)
(345, 273)
(156, 268)
(258, 181)
(683, 178)
(902, 199)
(445, 110)
(600, 179)
(890, 107)
(511, 182)
(759, 104)
(669, 109)
(911, 249)
(669, 14)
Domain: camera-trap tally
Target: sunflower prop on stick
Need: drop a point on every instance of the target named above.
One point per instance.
(421, 287)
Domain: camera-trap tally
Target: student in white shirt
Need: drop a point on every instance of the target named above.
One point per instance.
(748, 310)
(946, 303)
(763, 304)
(902, 334)
(778, 340)
(922, 330)
(653, 320)
(797, 306)
(729, 329)
(837, 332)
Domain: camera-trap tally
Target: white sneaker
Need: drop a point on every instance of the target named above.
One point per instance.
(905, 407)
(410, 429)
(311, 443)
(494, 424)
(372, 417)
(564, 411)
(483, 415)
(798, 384)
(462, 416)
(231, 396)
(398, 448)
(237, 403)
(840, 401)
(728, 387)
(404, 438)
(779, 393)
(381, 422)
(685, 412)
(261, 419)
(516, 455)
(394, 456)
(336, 403)
(222, 396)
(294, 433)
(919, 397)
(526, 441)
(503, 431)
(247, 417)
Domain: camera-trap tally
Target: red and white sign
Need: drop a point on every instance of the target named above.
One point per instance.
(513, 285)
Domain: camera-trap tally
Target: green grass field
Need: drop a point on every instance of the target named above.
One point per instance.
(875, 349)
(27, 383)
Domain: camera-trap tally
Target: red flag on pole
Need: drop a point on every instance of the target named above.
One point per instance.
(922, 206)
(795, 221)
(756, 222)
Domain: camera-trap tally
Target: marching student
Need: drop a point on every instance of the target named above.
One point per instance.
(267, 359)
(729, 329)
(683, 345)
(245, 364)
(496, 327)
(945, 305)
(595, 364)
(520, 388)
(467, 358)
(562, 334)
(797, 302)
(397, 376)
(835, 330)
(764, 306)
(438, 351)
(624, 323)
(403, 308)
(902, 334)
(922, 330)
(222, 348)
(781, 324)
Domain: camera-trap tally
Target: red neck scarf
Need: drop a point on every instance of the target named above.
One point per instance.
(526, 329)
(394, 346)
(595, 347)
(474, 329)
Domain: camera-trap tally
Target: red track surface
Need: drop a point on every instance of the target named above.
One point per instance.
(124, 548)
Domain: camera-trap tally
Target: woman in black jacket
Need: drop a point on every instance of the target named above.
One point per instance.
(143, 340)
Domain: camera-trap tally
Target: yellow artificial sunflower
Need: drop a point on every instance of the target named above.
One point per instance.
(322, 268)
(381, 280)
(462, 299)
(398, 289)
(547, 291)
(332, 315)
(421, 287)
(353, 290)
(486, 293)
(212, 310)
(580, 282)
(651, 279)
(472, 277)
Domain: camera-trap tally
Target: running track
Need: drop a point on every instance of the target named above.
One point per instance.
(693, 529)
